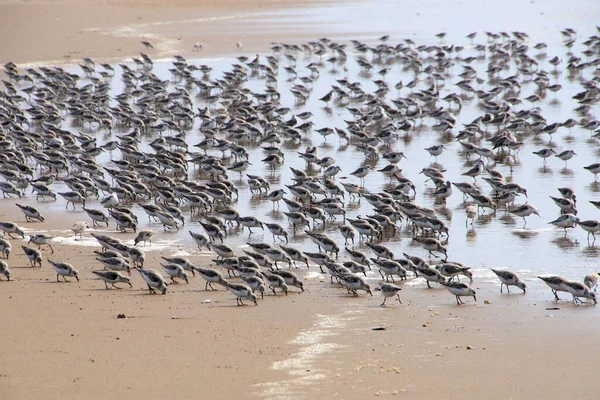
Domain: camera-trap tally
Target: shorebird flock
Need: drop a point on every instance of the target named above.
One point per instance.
(118, 153)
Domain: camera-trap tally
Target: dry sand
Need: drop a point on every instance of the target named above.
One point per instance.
(63, 340)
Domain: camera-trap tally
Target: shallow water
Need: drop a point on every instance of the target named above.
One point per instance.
(497, 240)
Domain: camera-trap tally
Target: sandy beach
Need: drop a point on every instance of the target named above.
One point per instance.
(50, 32)
(64, 340)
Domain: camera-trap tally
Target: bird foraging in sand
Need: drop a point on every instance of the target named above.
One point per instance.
(64, 270)
(509, 278)
(112, 277)
(390, 290)
(79, 228)
(4, 269)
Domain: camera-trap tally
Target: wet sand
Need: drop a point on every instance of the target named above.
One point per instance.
(63, 340)
(51, 32)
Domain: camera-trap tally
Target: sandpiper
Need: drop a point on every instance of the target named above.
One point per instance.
(41, 239)
(241, 291)
(276, 196)
(5, 247)
(544, 153)
(433, 245)
(154, 280)
(460, 289)
(97, 216)
(256, 283)
(112, 277)
(8, 188)
(436, 150)
(31, 213)
(181, 261)
(34, 256)
(354, 283)
(297, 219)
(277, 231)
(175, 271)
(10, 227)
(4, 269)
(144, 236)
(278, 255)
(565, 221)
(430, 275)
(591, 280)
(453, 270)
(64, 269)
(295, 255)
(251, 222)
(213, 231)
(201, 240)
(276, 282)
(509, 278)
(591, 227)
(79, 228)
(348, 233)
(390, 290)
(137, 256)
(223, 251)
(476, 170)
(211, 276)
(73, 198)
(115, 264)
(556, 284)
(290, 279)
(594, 169)
(389, 268)
(578, 289)
(524, 211)
(380, 250)
(362, 172)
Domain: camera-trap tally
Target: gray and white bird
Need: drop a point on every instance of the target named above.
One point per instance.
(97, 216)
(34, 256)
(201, 240)
(211, 276)
(277, 231)
(79, 228)
(256, 283)
(389, 290)
(290, 279)
(276, 282)
(4, 269)
(112, 277)
(5, 247)
(115, 264)
(578, 290)
(509, 278)
(31, 213)
(565, 221)
(251, 222)
(41, 239)
(64, 270)
(591, 280)
(154, 280)
(241, 291)
(556, 284)
(144, 236)
(175, 271)
(10, 227)
(73, 198)
(460, 289)
(354, 283)
(137, 256)
(431, 275)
